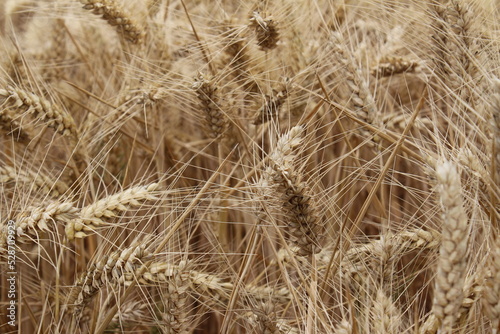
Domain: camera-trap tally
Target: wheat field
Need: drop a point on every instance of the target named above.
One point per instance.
(277, 167)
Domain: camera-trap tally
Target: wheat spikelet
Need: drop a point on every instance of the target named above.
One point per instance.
(437, 12)
(263, 293)
(94, 215)
(116, 16)
(264, 319)
(266, 31)
(472, 290)
(343, 327)
(13, 127)
(448, 294)
(129, 314)
(459, 46)
(236, 48)
(35, 220)
(267, 319)
(30, 224)
(22, 101)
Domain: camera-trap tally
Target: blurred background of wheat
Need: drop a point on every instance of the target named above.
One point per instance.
(261, 166)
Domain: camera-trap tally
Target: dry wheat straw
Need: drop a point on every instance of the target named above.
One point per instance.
(448, 292)
(116, 16)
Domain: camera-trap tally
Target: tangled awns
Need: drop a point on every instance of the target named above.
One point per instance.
(277, 167)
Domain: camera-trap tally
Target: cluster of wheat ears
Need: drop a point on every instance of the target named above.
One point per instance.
(199, 166)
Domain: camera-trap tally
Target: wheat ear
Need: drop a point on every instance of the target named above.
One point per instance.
(386, 316)
(343, 327)
(94, 215)
(37, 180)
(495, 131)
(389, 66)
(12, 126)
(211, 104)
(450, 277)
(491, 288)
(271, 106)
(106, 270)
(299, 207)
(361, 100)
(36, 220)
(163, 272)
(22, 101)
(116, 16)
(266, 31)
